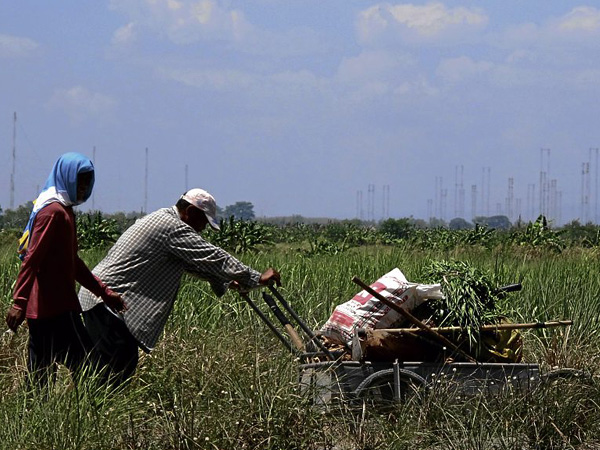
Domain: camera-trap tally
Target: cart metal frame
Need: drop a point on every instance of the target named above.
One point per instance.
(330, 381)
(326, 378)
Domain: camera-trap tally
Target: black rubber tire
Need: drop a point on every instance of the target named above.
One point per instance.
(378, 388)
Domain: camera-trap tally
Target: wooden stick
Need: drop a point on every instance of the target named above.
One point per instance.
(266, 320)
(291, 331)
(412, 319)
(500, 326)
(313, 338)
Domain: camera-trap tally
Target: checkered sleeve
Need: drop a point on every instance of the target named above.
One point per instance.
(209, 262)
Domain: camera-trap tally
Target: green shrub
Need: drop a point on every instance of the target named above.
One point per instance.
(539, 235)
(240, 236)
(96, 231)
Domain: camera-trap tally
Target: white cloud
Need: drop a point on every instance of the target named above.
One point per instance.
(185, 21)
(211, 79)
(79, 102)
(377, 73)
(373, 65)
(463, 68)
(125, 35)
(302, 78)
(14, 46)
(578, 28)
(418, 23)
(188, 22)
(552, 54)
(582, 18)
(284, 83)
(521, 56)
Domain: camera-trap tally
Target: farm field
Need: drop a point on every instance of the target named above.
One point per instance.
(423, 177)
(220, 380)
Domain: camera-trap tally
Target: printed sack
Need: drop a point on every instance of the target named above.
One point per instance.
(366, 311)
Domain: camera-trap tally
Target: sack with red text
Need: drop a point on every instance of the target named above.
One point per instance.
(366, 311)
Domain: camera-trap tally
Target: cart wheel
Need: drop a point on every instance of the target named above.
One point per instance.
(378, 388)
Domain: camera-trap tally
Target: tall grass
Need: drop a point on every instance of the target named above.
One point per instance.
(219, 380)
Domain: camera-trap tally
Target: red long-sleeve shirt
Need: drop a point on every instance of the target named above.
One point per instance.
(45, 285)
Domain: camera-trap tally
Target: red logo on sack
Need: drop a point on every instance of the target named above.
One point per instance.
(363, 296)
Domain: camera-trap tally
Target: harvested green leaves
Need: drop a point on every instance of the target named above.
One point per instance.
(469, 299)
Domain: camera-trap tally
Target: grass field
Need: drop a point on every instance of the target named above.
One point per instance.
(219, 380)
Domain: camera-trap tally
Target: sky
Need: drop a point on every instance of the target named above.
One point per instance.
(337, 108)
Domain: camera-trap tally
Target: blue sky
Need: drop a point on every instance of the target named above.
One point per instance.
(300, 106)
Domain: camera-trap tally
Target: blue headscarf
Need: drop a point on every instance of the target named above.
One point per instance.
(61, 187)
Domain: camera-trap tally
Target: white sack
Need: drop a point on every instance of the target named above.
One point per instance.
(366, 311)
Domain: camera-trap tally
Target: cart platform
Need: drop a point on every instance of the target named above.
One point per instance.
(329, 381)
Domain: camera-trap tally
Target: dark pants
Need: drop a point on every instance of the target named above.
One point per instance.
(62, 339)
(113, 343)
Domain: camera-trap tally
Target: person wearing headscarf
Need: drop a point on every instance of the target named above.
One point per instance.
(45, 290)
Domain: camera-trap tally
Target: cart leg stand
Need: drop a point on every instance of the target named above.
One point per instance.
(397, 393)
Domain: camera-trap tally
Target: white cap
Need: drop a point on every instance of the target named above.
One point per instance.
(204, 201)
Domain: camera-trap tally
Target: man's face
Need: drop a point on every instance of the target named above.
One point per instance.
(83, 184)
(195, 218)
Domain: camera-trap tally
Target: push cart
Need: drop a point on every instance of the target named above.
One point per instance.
(327, 376)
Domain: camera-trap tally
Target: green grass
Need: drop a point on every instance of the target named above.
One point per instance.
(219, 380)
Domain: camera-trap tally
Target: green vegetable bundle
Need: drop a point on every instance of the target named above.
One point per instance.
(469, 299)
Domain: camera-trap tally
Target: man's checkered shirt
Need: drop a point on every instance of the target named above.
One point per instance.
(146, 264)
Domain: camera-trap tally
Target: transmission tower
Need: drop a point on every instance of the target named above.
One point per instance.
(14, 157)
(473, 201)
(186, 178)
(585, 171)
(459, 192)
(359, 205)
(544, 181)
(146, 184)
(510, 198)
(593, 159)
(371, 202)
(443, 203)
(385, 199)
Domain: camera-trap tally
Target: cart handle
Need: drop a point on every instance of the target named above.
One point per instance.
(509, 288)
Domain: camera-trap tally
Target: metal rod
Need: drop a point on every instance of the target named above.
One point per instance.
(284, 321)
(266, 320)
(509, 288)
(299, 321)
(501, 326)
(397, 389)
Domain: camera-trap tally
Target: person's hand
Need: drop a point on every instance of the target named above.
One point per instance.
(270, 276)
(115, 302)
(14, 318)
(234, 285)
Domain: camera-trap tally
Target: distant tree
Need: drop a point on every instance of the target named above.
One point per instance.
(239, 211)
(435, 222)
(586, 235)
(520, 223)
(16, 218)
(297, 218)
(495, 222)
(336, 231)
(397, 228)
(419, 223)
(499, 222)
(458, 223)
(123, 220)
